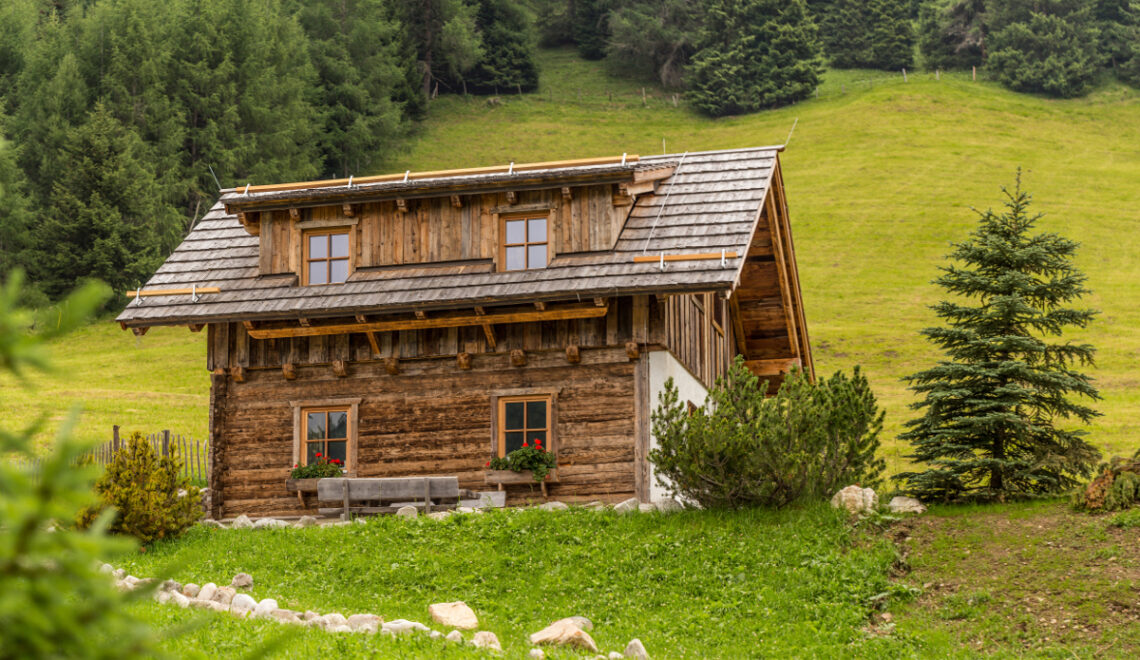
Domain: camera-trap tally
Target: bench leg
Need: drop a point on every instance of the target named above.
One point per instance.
(345, 515)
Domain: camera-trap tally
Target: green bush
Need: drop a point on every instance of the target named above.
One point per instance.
(150, 499)
(1116, 486)
(322, 469)
(743, 448)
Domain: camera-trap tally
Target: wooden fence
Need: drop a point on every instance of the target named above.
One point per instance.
(192, 453)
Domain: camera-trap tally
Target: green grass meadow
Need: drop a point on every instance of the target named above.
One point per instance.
(880, 176)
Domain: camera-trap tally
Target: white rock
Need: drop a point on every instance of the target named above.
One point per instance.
(406, 512)
(564, 633)
(485, 639)
(265, 607)
(270, 523)
(310, 615)
(106, 569)
(902, 504)
(668, 505)
(340, 629)
(191, 590)
(536, 654)
(646, 507)
(119, 573)
(435, 634)
(242, 581)
(171, 585)
(554, 506)
(210, 522)
(580, 621)
(242, 522)
(162, 596)
(208, 591)
(403, 626)
(614, 655)
(627, 506)
(218, 607)
(307, 521)
(635, 649)
(130, 582)
(285, 616)
(369, 621)
(225, 595)
(179, 599)
(330, 621)
(242, 604)
(440, 515)
(361, 521)
(464, 509)
(855, 499)
(454, 615)
(454, 636)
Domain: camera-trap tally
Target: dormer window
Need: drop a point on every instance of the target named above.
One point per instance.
(525, 244)
(326, 257)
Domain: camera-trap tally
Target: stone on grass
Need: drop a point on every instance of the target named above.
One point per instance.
(464, 509)
(242, 604)
(856, 500)
(454, 636)
(580, 621)
(310, 615)
(191, 590)
(554, 506)
(340, 629)
(454, 615)
(440, 515)
(225, 595)
(285, 616)
(628, 506)
(406, 512)
(902, 504)
(242, 522)
(208, 591)
(646, 507)
(270, 523)
(536, 654)
(330, 621)
(668, 505)
(162, 597)
(435, 634)
(371, 622)
(635, 649)
(119, 574)
(179, 599)
(485, 639)
(242, 581)
(106, 569)
(265, 607)
(403, 626)
(210, 522)
(564, 633)
(306, 521)
(614, 655)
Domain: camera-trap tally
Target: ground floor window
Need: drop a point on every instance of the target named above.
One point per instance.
(523, 419)
(325, 428)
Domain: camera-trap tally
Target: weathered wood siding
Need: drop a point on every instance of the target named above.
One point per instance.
(704, 347)
(431, 419)
(433, 230)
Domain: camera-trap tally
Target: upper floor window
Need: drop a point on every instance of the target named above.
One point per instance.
(326, 257)
(525, 244)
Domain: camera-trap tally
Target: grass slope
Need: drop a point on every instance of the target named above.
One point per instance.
(880, 179)
(691, 584)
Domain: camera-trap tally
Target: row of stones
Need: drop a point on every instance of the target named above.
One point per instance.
(565, 632)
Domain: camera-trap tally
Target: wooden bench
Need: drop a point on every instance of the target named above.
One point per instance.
(387, 495)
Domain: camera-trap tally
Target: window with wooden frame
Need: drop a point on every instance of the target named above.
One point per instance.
(326, 256)
(523, 419)
(525, 244)
(326, 435)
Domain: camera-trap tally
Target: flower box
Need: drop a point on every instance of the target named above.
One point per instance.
(302, 487)
(502, 478)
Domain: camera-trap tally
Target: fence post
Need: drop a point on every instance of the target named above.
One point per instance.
(165, 443)
(904, 74)
(115, 439)
(974, 73)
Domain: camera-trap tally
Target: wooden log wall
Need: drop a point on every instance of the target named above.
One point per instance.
(432, 419)
(637, 319)
(434, 230)
(704, 347)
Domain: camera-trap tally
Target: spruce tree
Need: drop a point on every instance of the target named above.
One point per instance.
(997, 410)
(507, 62)
(591, 27)
(874, 34)
(754, 54)
(952, 34)
(15, 210)
(1044, 46)
(654, 38)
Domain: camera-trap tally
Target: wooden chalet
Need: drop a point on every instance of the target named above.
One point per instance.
(418, 324)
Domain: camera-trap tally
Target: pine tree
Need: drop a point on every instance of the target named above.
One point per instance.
(953, 34)
(445, 37)
(360, 65)
(591, 27)
(507, 61)
(1044, 46)
(104, 217)
(15, 210)
(992, 409)
(655, 38)
(754, 54)
(874, 34)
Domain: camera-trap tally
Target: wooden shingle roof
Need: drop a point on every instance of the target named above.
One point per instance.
(710, 203)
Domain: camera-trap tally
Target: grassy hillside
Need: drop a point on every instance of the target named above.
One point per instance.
(880, 178)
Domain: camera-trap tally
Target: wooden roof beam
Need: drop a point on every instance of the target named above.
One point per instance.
(445, 320)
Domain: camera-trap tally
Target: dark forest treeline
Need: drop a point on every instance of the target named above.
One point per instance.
(119, 118)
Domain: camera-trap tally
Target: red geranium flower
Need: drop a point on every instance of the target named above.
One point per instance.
(488, 464)
(524, 443)
(319, 454)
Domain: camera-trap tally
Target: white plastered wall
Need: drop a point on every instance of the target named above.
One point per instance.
(662, 367)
